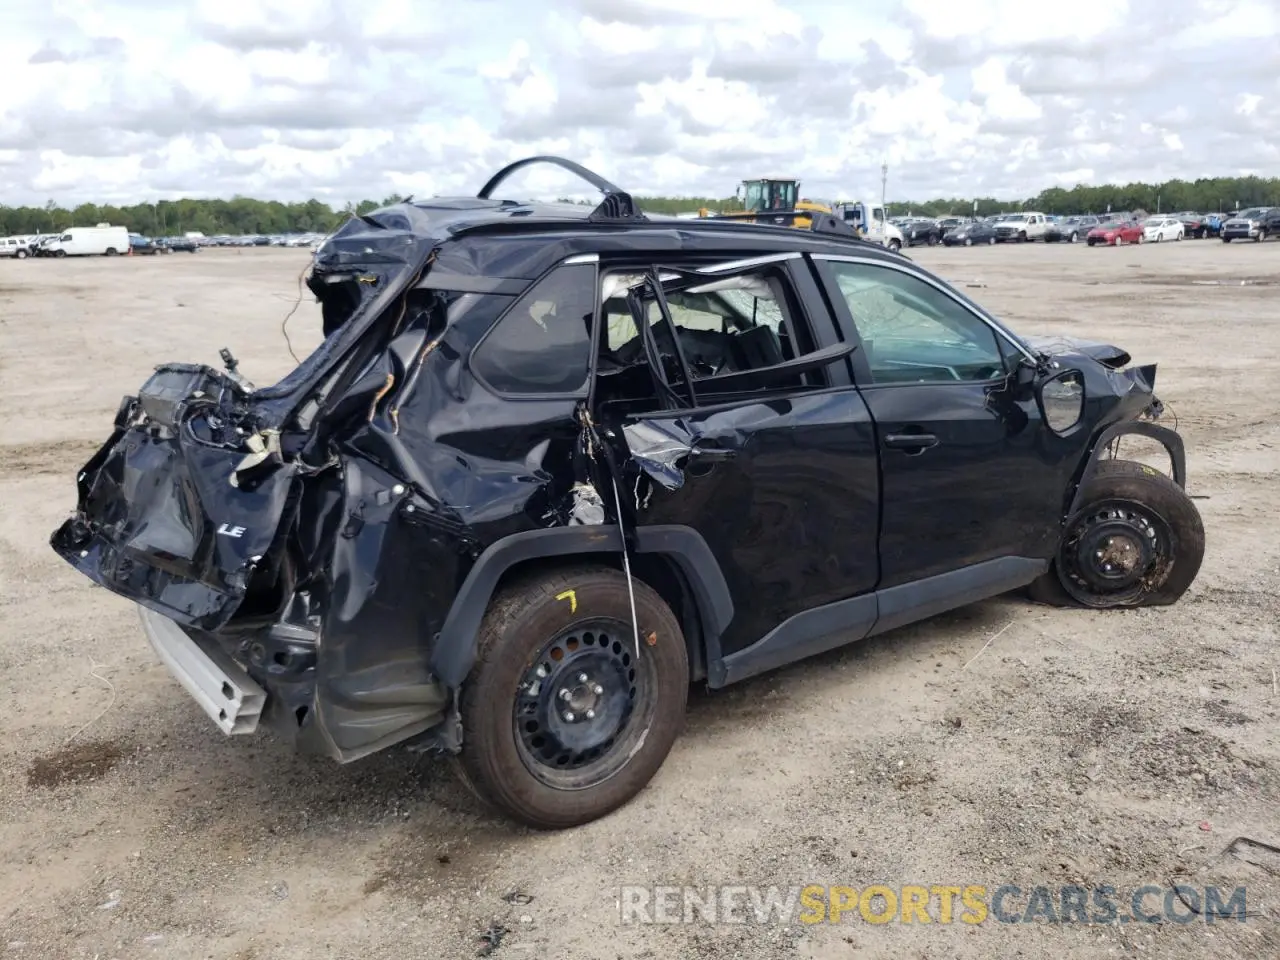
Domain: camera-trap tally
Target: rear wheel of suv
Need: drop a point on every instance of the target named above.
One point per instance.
(1136, 541)
(562, 721)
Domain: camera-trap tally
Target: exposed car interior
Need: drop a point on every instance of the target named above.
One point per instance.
(721, 330)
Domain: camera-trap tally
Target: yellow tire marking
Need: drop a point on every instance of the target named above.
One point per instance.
(572, 597)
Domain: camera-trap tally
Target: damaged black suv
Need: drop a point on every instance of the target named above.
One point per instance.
(553, 463)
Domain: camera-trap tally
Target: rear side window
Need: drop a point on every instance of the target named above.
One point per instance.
(542, 345)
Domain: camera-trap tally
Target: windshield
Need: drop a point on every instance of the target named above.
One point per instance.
(1015, 218)
(1249, 214)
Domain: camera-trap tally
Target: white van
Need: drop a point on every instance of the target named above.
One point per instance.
(90, 242)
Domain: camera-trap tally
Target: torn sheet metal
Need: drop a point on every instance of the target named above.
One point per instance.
(658, 451)
(588, 507)
(1105, 353)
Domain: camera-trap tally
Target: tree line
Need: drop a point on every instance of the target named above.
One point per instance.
(247, 215)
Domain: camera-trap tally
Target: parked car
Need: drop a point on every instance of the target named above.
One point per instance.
(921, 230)
(1195, 226)
(967, 234)
(1070, 229)
(1256, 223)
(1213, 223)
(556, 462)
(1021, 227)
(1156, 229)
(176, 244)
(144, 246)
(1116, 233)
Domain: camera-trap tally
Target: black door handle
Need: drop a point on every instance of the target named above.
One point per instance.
(919, 442)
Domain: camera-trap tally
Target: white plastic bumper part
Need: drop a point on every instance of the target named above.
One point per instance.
(220, 685)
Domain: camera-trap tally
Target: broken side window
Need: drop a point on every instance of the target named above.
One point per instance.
(542, 345)
(749, 321)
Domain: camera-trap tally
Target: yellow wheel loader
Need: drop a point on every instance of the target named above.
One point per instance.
(772, 200)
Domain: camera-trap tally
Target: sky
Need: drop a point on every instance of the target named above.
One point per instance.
(122, 101)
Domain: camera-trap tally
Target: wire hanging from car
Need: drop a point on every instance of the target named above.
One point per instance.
(597, 450)
(284, 324)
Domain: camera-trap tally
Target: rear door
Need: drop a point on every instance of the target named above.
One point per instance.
(969, 474)
(779, 476)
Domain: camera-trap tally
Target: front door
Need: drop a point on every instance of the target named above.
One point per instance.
(969, 473)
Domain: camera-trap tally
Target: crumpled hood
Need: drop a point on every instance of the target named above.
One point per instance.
(1107, 354)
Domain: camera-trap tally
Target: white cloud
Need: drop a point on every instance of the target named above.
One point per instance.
(125, 100)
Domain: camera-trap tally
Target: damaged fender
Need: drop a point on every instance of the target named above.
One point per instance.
(1170, 440)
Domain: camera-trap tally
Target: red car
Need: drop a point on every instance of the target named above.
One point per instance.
(1116, 233)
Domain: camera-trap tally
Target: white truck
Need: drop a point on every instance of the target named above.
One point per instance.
(870, 221)
(102, 240)
(1021, 227)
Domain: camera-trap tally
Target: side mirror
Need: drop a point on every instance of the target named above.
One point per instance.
(1061, 400)
(737, 193)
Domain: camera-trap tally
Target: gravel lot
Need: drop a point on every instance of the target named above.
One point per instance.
(1098, 748)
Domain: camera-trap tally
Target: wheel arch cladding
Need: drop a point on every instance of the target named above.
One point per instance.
(1167, 438)
(454, 649)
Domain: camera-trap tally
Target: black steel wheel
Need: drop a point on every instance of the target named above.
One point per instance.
(1110, 550)
(1137, 540)
(562, 721)
(585, 694)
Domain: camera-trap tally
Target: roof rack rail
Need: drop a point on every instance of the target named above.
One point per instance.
(820, 222)
(616, 205)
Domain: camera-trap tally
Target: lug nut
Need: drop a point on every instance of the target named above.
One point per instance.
(597, 689)
(565, 694)
(582, 678)
(568, 715)
(591, 714)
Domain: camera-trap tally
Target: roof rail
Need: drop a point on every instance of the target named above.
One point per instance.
(616, 205)
(819, 222)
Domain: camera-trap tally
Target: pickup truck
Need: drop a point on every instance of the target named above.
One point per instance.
(1021, 227)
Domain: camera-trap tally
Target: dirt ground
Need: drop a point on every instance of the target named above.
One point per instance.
(1077, 747)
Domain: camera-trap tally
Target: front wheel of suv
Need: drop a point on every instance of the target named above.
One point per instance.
(895, 246)
(1136, 541)
(562, 721)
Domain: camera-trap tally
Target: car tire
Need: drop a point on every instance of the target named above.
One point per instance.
(1226, 239)
(991, 241)
(1073, 238)
(1262, 235)
(968, 241)
(1137, 502)
(61, 253)
(524, 751)
(895, 246)
(1119, 241)
(1022, 237)
(20, 254)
